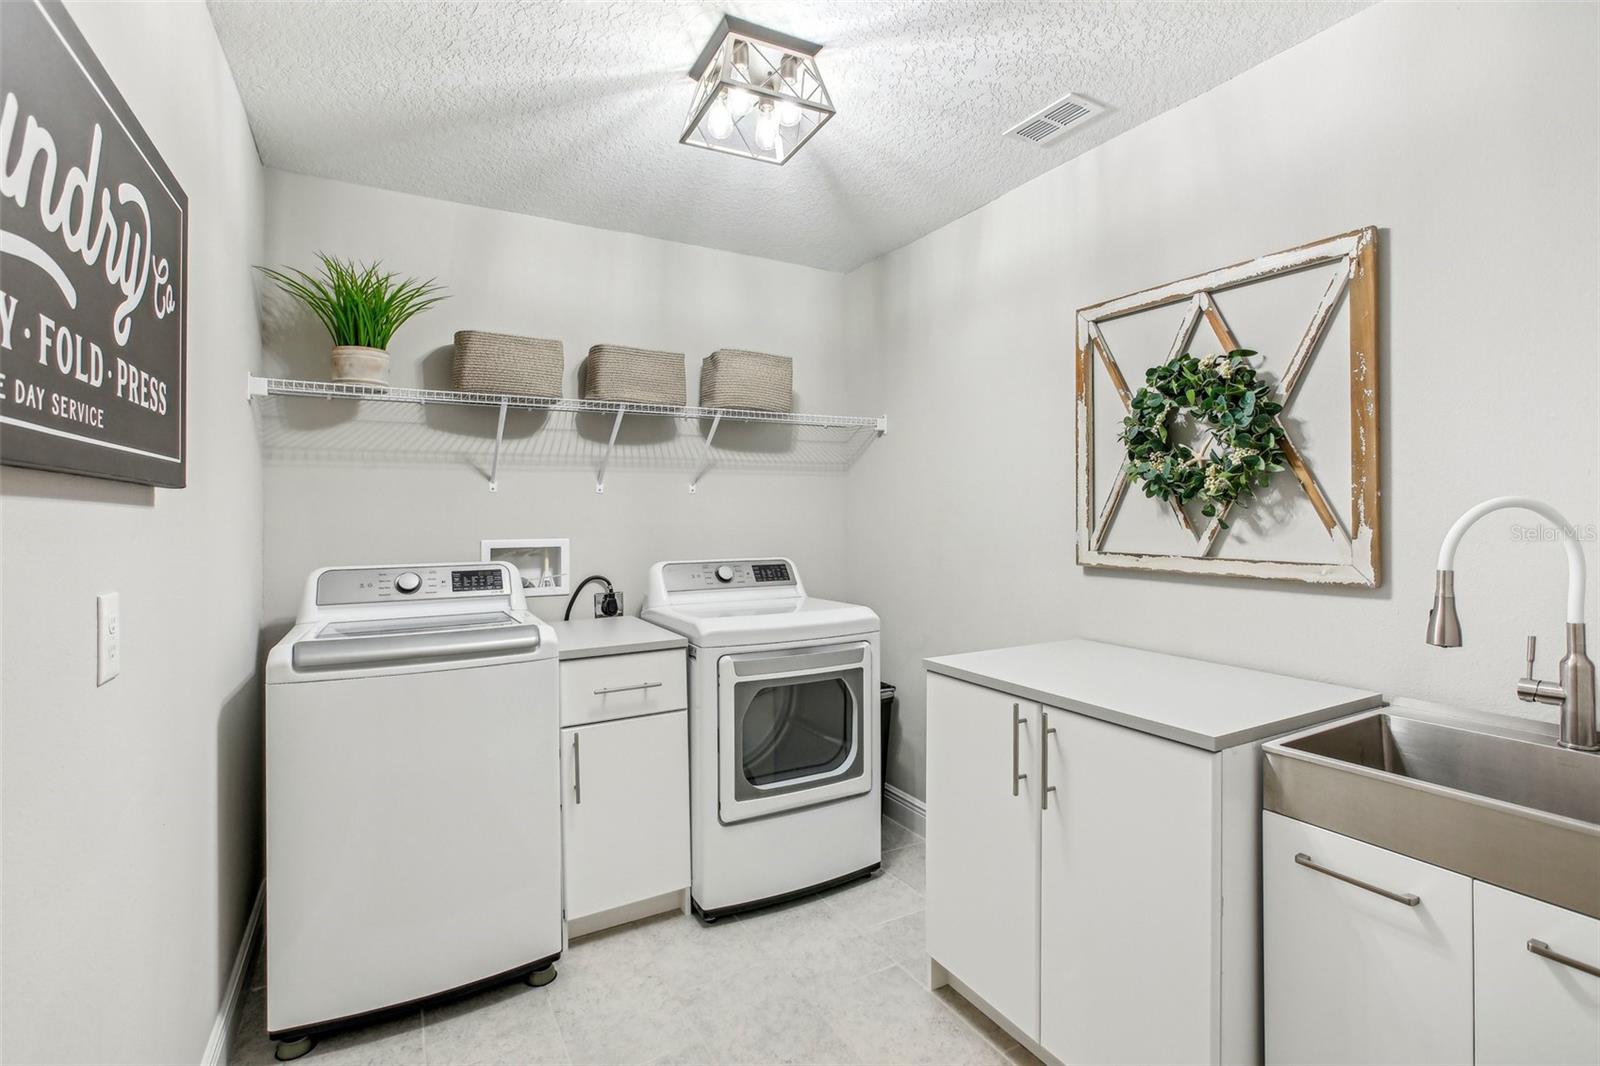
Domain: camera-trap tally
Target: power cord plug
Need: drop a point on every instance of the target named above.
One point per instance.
(607, 604)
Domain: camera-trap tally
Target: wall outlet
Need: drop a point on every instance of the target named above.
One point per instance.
(600, 604)
(108, 641)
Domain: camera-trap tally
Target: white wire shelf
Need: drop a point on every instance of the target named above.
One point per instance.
(367, 423)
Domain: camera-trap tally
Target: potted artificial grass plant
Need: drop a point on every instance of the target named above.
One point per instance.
(362, 308)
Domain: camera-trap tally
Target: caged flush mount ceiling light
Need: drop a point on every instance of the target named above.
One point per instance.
(758, 93)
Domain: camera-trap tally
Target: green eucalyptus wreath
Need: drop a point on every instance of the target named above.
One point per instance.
(1225, 399)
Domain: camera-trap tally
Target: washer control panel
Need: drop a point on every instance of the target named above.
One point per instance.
(388, 583)
(732, 574)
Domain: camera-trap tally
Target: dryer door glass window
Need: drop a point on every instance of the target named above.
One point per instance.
(799, 728)
(796, 730)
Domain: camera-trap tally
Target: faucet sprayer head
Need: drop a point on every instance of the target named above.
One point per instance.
(1444, 627)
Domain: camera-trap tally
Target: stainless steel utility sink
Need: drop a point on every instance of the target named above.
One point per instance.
(1493, 802)
(1527, 774)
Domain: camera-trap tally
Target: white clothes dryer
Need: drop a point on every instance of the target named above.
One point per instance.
(785, 795)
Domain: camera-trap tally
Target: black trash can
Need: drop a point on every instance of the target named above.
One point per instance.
(886, 700)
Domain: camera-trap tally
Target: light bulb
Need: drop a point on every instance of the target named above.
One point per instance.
(789, 114)
(739, 101)
(766, 128)
(718, 122)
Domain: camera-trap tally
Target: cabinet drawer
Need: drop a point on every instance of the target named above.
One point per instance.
(1375, 972)
(1532, 1008)
(623, 686)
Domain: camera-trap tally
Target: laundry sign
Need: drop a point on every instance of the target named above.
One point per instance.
(93, 265)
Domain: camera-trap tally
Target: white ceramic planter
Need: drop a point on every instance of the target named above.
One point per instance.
(360, 366)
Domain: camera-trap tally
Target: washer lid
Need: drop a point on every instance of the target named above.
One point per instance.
(727, 624)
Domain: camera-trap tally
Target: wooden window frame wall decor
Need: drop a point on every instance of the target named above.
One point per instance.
(1358, 558)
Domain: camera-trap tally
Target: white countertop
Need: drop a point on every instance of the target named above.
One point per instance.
(1194, 702)
(585, 638)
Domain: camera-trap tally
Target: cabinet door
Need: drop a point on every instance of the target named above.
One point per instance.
(625, 811)
(1128, 889)
(1352, 975)
(983, 845)
(1530, 1008)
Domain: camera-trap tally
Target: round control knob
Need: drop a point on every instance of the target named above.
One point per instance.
(724, 574)
(407, 583)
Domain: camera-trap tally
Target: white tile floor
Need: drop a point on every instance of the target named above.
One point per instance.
(836, 978)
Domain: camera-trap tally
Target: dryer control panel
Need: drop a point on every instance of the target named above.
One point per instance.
(732, 574)
(374, 584)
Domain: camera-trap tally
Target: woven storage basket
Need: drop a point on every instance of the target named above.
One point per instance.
(749, 381)
(503, 362)
(634, 375)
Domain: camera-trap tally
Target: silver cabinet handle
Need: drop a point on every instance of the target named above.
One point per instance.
(1399, 897)
(1045, 787)
(1541, 949)
(577, 771)
(628, 688)
(1016, 726)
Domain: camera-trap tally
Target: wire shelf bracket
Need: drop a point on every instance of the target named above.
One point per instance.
(611, 444)
(711, 455)
(499, 439)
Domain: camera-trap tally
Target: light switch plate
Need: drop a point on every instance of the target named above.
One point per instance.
(108, 639)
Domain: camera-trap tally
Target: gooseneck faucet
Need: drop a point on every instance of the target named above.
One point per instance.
(1575, 691)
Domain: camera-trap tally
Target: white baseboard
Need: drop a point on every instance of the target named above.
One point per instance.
(903, 807)
(220, 1045)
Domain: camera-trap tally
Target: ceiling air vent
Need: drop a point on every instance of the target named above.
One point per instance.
(1055, 119)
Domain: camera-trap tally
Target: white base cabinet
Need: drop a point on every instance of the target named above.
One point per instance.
(1077, 873)
(1354, 974)
(624, 772)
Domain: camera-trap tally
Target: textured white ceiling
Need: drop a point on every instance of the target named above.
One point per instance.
(572, 110)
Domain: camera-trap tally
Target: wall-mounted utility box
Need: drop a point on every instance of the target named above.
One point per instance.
(545, 564)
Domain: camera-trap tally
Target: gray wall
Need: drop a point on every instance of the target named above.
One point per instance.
(518, 274)
(129, 813)
(1468, 134)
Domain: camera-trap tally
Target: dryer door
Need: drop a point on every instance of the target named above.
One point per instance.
(793, 729)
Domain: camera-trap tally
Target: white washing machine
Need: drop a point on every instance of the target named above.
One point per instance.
(413, 794)
(785, 795)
